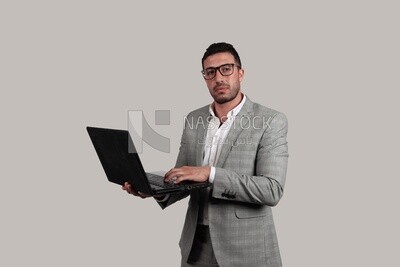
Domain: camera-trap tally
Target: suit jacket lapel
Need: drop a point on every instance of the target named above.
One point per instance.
(202, 126)
(242, 121)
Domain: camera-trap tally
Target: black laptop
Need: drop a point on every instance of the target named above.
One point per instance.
(121, 165)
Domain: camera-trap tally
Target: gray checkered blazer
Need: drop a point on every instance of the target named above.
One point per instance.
(249, 180)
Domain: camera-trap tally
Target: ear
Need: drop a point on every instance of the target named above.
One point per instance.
(241, 74)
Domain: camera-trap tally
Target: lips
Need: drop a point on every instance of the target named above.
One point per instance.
(220, 88)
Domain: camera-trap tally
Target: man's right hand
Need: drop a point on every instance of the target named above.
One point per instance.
(129, 188)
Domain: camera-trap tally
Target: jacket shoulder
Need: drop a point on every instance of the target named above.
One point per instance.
(259, 109)
(200, 111)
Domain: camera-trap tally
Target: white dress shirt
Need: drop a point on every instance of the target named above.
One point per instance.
(215, 138)
(216, 135)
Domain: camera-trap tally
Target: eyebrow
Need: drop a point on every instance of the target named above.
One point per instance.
(219, 65)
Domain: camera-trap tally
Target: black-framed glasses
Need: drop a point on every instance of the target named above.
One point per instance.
(225, 70)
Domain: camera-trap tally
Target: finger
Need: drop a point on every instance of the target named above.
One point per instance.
(172, 174)
(135, 193)
(132, 191)
(189, 176)
(173, 179)
(124, 186)
(183, 178)
(128, 188)
(142, 195)
(169, 173)
(165, 175)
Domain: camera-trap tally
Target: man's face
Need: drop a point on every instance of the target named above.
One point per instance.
(223, 88)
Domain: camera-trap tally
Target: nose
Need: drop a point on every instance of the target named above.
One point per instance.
(219, 77)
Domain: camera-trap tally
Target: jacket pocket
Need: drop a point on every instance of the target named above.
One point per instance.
(250, 211)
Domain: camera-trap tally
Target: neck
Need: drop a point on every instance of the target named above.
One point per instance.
(221, 110)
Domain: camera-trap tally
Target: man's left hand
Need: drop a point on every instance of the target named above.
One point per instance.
(188, 173)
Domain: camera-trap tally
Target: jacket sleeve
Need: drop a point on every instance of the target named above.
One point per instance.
(266, 186)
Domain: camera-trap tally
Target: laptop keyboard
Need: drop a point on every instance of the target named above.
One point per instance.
(158, 180)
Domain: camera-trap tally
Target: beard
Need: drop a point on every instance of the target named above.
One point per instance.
(228, 95)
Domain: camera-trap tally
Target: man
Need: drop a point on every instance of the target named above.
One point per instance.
(241, 148)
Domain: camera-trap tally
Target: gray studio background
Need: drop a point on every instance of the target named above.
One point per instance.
(331, 66)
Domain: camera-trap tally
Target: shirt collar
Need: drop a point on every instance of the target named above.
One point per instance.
(233, 112)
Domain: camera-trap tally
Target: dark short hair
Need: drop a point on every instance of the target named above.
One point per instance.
(221, 48)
